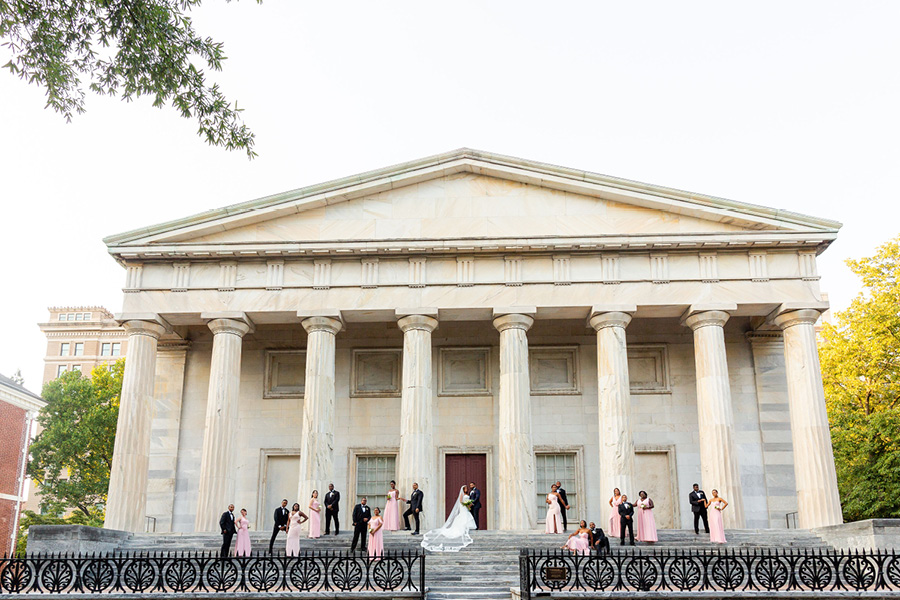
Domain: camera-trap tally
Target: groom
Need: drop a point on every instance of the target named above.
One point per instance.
(415, 507)
(475, 497)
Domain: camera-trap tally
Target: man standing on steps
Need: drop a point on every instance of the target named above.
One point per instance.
(332, 506)
(281, 521)
(361, 516)
(698, 507)
(475, 497)
(226, 524)
(415, 507)
(626, 516)
(565, 504)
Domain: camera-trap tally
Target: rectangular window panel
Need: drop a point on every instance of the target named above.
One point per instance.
(79, 348)
(464, 372)
(553, 370)
(61, 316)
(79, 316)
(60, 370)
(550, 469)
(648, 371)
(70, 316)
(375, 373)
(64, 349)
(373, 477)
(285, 374)
(76, 368)
(116, 349)
(106, 349)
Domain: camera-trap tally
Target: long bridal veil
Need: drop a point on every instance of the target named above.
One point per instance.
(454, 535)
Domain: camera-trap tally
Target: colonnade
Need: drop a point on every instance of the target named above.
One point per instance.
(814, 467)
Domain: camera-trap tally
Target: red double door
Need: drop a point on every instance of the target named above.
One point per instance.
(462, 469)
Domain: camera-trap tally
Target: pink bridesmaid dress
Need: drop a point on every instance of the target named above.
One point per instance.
(579, 544)
(315, 521)
(376, 540)
(392, 511)
(554, 516)
(646, 523)
(615, 521)
(716, 524)
(292, 546)
(243, 538)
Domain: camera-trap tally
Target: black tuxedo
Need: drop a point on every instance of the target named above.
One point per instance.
(332, 499)
(415, 507)
(361, 516)
(226, 525)
(599, 541)
(475, 497)
(626, 520)
(562, 506)
(281, 517)
(698, 507)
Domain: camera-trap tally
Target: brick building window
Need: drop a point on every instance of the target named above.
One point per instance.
(60, 370)
(64, 349)
(79, 348)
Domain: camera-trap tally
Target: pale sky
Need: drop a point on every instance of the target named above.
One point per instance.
(794, 105)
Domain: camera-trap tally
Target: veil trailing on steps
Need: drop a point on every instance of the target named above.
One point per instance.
(454, 535)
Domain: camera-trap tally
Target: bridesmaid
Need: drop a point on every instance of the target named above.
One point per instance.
(554, 514)
(716, 524)
(392, 509)
(646, 522)
(376, 533)
(315, 518)
(579, 542)
(295, 519)
(243, 535)
(615, 530)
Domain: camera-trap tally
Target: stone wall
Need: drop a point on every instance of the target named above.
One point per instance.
(73, 539)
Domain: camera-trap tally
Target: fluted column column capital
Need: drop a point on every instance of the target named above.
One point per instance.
(602, 320)
(141, 327)
(322, 324)
(232, 326)
(513, 321)
(420, 322)
(803, 316)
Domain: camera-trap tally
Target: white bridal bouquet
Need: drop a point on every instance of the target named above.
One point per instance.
(467, 503)
(719, 506)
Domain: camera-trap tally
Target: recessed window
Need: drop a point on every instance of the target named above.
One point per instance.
(61, 316)
(116, 348)
(87, 316)
(105, 349)
(373, 477)
(60, 370)
(550, 469)
(79, 316)
(76, 368)
(79, 348)
(64, 349)
(285, 373)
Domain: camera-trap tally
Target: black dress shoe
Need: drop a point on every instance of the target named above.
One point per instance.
(415, 533)
(632, 544)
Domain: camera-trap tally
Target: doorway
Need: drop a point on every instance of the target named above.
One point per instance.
(462, 469)
(655, 476)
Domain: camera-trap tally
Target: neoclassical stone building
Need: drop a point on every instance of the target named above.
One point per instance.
(474, 316)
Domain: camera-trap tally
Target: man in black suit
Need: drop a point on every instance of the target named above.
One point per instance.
(698, 507)
(599, 541)
(564, 505)
(281, 520)
(226, 524)
(626, 518)
(361, 516)
(415, 507)
(332, 506)
(475, 497)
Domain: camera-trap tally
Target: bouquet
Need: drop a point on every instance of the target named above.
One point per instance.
(467, 503)
(642, 505)
(719, 506)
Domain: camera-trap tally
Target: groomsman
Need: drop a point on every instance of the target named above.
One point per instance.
(281, 520)
(565, 504)
(698, 507)
(626, 520)
(599, 541)
(226, 524)
(415, 507)
(361, 516)
(475, 497)
(332, 506)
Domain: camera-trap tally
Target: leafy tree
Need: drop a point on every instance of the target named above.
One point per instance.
(71, 458)
(129, 47)
(860, 358)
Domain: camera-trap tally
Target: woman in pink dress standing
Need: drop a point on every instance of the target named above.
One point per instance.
(295, 519)
(646, 522)
(579, 542)
(243, 535)
(554, 514)
(315, 519)
(716, 524)
(376, 533)
(392, 509)
(614, 518)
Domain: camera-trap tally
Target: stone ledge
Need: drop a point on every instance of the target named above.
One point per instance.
(762, 594)
(870, 534)
(73, 539)
(228, 595)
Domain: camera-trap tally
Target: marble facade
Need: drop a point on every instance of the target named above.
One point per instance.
(471, 303)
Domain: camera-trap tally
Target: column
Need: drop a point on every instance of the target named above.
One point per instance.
(516, 495)
(718, 458)
(614, 403)
(817, 492)
(217, 461)
(127, 499)
(416, 460)
(317, 437)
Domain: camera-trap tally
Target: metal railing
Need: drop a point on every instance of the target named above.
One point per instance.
(792, 520)
(769, 571)
(191, 573)
(150, 525)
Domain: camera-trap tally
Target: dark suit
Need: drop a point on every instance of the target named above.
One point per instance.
(599, 541)
(626, 520)
(415, 507)
(332, 499)
(281, 519)
(562, 506)
(475, 497)
(361, 516)
(699, 510)
(226, 524)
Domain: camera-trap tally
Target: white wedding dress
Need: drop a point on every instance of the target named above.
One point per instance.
(454, 535)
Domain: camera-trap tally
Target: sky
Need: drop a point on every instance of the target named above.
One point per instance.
(791, 105)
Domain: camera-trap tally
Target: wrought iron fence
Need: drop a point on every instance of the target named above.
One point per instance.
(768, 571)
(151, 573)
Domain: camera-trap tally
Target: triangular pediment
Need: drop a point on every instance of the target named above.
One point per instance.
(472, 195)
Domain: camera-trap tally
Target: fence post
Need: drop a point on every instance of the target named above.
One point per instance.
(422, 575)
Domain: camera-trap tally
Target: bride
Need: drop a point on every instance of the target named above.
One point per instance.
(454, 535)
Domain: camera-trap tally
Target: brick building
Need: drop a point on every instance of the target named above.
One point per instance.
(18, 409)
(80, 338)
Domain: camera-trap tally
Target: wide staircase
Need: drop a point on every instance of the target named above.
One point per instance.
(488, 568)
